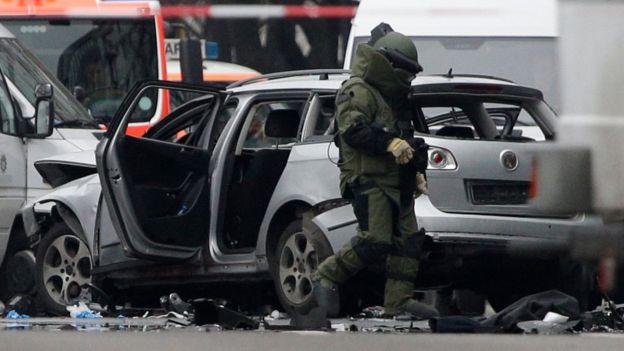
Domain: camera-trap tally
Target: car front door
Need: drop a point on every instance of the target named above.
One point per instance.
(157, 186)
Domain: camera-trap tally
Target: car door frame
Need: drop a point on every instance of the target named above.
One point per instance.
(224, 154)
(135, 243)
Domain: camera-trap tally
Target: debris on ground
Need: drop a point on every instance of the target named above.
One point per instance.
(12, 314)
(275, 314)
(534, 308)
(372, 312)
(174, 303)
(457, 324)
(81, 310)
(550, 312)
(608, 317)
(21, 304)
(548, 328)
(208, 311)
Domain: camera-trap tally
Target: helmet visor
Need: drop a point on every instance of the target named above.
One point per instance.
(401, 61)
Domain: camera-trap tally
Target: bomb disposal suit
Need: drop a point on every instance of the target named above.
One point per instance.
(379, 163)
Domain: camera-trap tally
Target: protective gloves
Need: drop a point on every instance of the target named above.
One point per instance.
(421, 159)
(401, 150)
(421, 183)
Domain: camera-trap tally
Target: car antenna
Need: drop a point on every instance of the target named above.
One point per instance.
(450, 73)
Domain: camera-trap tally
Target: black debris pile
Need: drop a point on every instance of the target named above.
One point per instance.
(210, 312)
(548, 312)
(608, 317)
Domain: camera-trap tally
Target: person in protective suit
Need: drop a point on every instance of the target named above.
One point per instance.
(381, 164)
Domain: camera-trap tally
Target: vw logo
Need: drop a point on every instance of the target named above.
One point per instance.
(509, 160)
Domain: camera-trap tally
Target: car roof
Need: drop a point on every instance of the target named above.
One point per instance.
(316, 80)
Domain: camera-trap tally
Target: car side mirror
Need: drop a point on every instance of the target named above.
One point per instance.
(44, 112)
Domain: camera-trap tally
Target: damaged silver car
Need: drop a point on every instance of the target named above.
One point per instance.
(242, 183)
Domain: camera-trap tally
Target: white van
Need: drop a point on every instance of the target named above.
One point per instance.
(39, 118)
(514, 39)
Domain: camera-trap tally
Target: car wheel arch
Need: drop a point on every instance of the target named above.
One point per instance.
(280, 220)
(293, 210)
(63, 213)
(18, 240)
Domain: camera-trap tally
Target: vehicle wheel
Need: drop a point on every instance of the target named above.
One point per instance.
(298, 254)
(19, 274)
(63, 265)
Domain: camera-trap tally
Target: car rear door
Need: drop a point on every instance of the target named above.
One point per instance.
(471, 172)
(157, 186)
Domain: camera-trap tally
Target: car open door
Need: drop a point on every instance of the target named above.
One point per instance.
(156, 186)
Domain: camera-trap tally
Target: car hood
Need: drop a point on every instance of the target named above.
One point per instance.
(83, 139)
(60, 169)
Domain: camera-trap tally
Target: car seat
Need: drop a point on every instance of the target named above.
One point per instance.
(251, 197)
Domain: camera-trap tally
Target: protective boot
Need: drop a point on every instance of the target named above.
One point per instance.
(327, 296)
(326, 302)
(398, 301)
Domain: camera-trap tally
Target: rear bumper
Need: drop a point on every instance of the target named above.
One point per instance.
(480, 260)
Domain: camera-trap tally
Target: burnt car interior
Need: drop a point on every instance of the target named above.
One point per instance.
(173, 199)
(449, 116)
(261, 157)
(475, 118)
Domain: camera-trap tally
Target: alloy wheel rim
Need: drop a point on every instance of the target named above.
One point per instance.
(66, 268)
(298, 260)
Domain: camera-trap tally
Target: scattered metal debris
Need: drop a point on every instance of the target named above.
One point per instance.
(212, 315)
(81, 310)
(174, 303)
(208, 311)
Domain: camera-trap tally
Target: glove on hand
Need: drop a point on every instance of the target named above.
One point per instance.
(420, 157)
(421, 183)
(401, 150)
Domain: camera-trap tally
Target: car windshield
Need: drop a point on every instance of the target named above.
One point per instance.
(99, 60)
(527, 61)
(25, 72)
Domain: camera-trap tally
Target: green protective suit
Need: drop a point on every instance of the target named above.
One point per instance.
(370, 177)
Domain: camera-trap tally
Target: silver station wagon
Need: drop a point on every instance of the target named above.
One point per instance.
(241, 184)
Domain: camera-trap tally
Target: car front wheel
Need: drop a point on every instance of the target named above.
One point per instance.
(63, 267)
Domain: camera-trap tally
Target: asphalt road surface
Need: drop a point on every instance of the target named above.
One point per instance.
(300, 341)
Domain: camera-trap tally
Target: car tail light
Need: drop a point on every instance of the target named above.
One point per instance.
(441, 159)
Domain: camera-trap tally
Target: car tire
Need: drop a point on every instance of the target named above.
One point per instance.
(297, 255)
(64, 265)
(18, 274)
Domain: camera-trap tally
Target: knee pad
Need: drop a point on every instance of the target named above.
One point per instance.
(368, 251)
